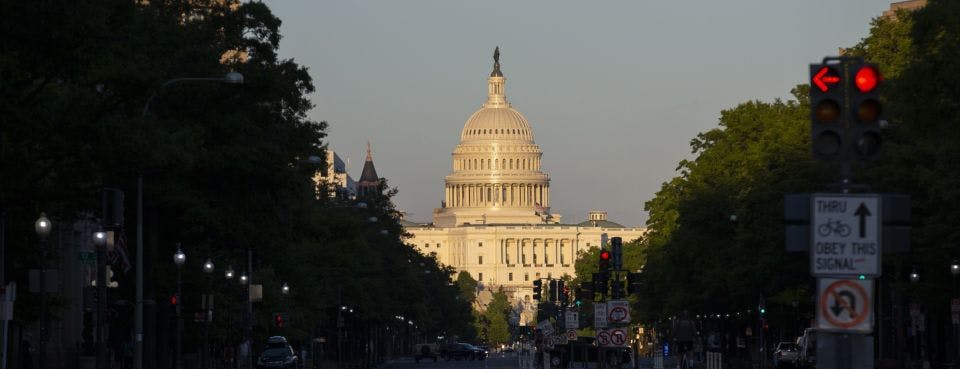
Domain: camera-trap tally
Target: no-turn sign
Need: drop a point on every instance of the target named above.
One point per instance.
(618, 337)
(845, 305)
(618, 312)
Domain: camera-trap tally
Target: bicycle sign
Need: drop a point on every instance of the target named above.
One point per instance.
(845, 235)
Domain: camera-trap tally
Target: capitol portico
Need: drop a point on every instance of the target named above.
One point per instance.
(495, 221)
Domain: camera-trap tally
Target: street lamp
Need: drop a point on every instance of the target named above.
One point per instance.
(228, 274)
(285, 289)
(233, 78)
(243, 279)
(917, 359)
(42, 226)
(208, 266)
(179, 258)
(955, 271)
(914, 276)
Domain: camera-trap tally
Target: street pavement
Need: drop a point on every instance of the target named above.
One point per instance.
(495, 361)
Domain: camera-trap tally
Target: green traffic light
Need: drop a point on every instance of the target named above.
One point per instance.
(861, 277)
(763, 311)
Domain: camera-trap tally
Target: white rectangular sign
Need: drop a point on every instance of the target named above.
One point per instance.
(600, 315)
(845, 235)
(572, 319)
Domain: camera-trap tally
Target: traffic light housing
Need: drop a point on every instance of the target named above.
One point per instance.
(538, 289)
(866, 110)
(278, 320)
(554, 296)
(616, 253)
(827, 129)
(600, 280)
(633, 283)
(604, 262)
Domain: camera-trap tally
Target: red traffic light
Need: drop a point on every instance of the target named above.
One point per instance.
(825, 76)
(173, 300)
(278, 320)
(605, 255)
(866, 79)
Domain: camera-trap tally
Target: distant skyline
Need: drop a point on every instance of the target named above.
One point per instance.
(614, 91)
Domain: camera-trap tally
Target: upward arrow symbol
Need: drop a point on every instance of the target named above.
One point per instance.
(863, 213)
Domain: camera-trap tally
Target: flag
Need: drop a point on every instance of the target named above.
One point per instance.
(540, 209)
(118, 257)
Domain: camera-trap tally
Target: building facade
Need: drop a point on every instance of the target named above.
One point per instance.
(495, 220)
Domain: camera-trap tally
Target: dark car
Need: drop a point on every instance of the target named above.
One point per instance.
(278, 358)
(785, 354)
(561, 356)
(462, 351)
(425, 351)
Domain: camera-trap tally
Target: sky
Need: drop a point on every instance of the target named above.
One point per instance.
(614, 90)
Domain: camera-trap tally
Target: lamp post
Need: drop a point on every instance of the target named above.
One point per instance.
(229, 78)
(42, 226)
(915, 324)
(208, 310)
(100, 239)
(955, 315)
(179, 258)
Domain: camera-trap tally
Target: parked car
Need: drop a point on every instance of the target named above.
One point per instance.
(785, 354)
(426, 351)
(278, 355)
(584, 351)
(462, 351)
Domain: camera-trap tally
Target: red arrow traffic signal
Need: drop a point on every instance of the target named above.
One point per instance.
(825, 76)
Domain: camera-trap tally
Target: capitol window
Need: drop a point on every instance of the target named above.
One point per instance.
(480, 244)
(480, 259)
(480, 276)
(526, 277)
(510, 277)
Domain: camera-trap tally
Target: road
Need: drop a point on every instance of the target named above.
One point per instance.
(495, 361)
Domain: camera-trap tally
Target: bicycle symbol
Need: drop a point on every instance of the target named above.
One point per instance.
(834, 227)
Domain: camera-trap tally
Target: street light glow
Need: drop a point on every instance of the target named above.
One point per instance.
(955, 268)
(208, 266)
(228, 274)
(42, 226)
(243, 279)
(100, 238)
(285, 289)
(179, 257)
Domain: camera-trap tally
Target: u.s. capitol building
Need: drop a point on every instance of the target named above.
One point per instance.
(495, 221)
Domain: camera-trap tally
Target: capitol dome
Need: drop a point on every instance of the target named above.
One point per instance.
(497, 123)
(497, 177)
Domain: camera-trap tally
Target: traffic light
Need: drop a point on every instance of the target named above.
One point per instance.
(563, 293)
(605, 257)
(537, 289)
(585, 292)
(762, 308)
(278, 320)
(616, 289)
(600, 282)
(866, 111)
(553, 290)
(616, 253)
(633, 283)
(826, 112)
(174, 300)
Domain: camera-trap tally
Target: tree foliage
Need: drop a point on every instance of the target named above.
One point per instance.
(223, 165)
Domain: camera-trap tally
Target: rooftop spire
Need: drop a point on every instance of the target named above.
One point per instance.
(495, 94)
(369, 153)
(496, 63)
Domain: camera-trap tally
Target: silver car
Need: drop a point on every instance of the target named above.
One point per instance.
(785, 354)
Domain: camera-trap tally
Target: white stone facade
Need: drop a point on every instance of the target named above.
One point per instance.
(495, 221)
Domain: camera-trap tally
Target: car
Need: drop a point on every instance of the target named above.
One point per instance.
(426, 351)
(281, 357)
(462, 351)
(584, 351)
(785, 354)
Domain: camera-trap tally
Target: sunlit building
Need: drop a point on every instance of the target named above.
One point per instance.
(495, 220)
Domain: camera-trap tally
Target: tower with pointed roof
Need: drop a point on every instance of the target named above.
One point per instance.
(369, 183)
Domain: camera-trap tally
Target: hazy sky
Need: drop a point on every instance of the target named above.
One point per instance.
(614, 90)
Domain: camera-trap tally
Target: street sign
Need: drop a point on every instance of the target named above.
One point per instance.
(572, 319)
(545, 327)
(618, 312)
(845, 305)
(618, 337)
(603, 338)
(87, 257)
(600, 315)
(571, 334)
(845, 235)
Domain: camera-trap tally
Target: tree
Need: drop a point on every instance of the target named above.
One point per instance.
(496, 323)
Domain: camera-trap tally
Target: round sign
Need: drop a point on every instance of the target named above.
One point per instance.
(844, 304)
(618, 337)
(571, 334)
(603, 338)
(617, 314)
